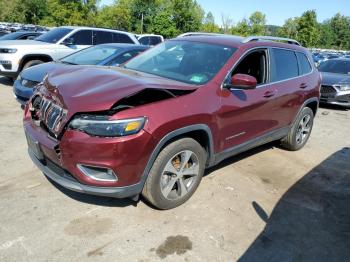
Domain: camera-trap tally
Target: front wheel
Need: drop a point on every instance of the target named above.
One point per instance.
(300, 132)
(32, 63)
(175, 174)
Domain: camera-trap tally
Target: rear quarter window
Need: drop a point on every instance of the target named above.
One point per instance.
(284, 65)
(304, 64)
(122, 38)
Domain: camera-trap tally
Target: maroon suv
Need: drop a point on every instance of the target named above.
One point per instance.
(153, 126)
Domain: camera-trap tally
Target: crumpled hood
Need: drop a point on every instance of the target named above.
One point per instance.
(91, 89)
(335, 79)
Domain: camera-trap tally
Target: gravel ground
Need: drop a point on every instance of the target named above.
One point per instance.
(264, 205)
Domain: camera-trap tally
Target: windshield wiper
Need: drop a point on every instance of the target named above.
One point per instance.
(68, 63)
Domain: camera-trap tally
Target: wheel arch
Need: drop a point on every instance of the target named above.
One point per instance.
(27, 58)
(199, 132)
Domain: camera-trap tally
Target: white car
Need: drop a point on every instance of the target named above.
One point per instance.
(16, 55)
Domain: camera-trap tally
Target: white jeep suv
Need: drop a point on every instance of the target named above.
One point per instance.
(16, 55)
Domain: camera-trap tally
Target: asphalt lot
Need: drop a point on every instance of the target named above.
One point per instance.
(264, 205)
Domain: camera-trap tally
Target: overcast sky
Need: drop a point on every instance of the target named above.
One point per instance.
(276, 11)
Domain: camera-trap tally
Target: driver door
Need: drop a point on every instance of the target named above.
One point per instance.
(248, 114)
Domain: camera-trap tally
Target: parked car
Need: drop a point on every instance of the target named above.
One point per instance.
(2, 33)
(335, 87)
(21, 35)
(150, 39)
(155, 124)
(102, 55)
(55, 44)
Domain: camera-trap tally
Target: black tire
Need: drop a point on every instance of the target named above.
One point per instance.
(297, 137)
(32, 63)
(153, 189)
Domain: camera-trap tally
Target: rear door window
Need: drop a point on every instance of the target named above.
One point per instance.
(102, 37)
(145, 40)
(304, 64)
(284, 65)
(82, 37)
(155, 40)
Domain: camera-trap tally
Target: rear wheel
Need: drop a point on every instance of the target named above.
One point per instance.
(300, 132)
(175, 174)
(32, 63)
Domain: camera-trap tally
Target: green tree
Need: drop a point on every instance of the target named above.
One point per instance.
(187, 15)
(308, 33)
(117, 16)
(290, 28)
(209, 24)
(327, 35)
(257, 23)
(164, 24)
(340, 25)
(242, 28)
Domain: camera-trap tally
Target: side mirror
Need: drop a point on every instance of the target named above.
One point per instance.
(242, 81)
(68, 41)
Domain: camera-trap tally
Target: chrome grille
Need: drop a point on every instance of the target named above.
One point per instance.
(328, 89)
(50, 115)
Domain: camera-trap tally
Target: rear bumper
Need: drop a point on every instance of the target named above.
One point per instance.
(64, 179)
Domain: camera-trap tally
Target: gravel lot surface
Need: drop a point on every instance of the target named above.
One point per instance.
(264, 205)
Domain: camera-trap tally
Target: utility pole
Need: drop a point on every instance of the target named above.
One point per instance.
(141, 23)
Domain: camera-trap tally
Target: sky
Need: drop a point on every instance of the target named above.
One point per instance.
(276, 11)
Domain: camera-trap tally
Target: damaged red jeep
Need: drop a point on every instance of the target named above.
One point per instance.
(153, 126)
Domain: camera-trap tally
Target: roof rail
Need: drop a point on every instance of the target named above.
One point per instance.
(270, 38)
(199, 34)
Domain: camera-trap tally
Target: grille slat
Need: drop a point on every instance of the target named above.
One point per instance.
(50, 114)
(328, 89)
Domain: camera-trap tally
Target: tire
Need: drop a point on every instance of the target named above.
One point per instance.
(32, 63)
(300, 132)
(165, 189)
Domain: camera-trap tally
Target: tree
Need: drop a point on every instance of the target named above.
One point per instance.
(117, 16)
(290, 28)
(143, 13)
(340, 25)
(209, 24)
(257, 23)
(164, 24)
(308, 33)
(187, 15)
(327, 35)
(242, 28)
(226, 22)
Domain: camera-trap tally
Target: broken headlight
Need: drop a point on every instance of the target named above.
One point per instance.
(101, 125)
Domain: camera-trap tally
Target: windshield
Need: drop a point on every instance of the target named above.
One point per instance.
(91, 56)
(185, 61)
(335, 66)
(12, 36)
(54, 35)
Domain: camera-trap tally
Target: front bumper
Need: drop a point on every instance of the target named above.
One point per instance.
(340, 98)
(9, 65)
(63, 178)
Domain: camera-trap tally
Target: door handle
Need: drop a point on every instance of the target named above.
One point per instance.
(303, 86)
(270, 93)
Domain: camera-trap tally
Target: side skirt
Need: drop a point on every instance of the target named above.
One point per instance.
(255, 142)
